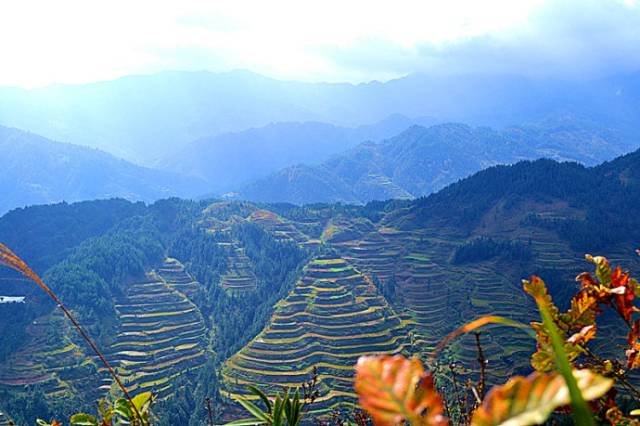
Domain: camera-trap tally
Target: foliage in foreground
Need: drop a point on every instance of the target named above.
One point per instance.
(123, 412)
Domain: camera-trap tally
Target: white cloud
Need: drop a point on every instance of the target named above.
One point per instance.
(77, 41)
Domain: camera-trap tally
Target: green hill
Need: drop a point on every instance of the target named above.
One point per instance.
(331, 317)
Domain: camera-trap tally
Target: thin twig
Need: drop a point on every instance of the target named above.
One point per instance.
(467, 394)
(207, 400)
(11, 260)
(445, 402)
(483, 367)
(623, 379)
(457, 393)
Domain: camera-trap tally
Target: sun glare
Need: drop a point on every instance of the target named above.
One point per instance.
(82, 41)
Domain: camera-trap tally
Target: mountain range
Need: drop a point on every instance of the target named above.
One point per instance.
(36, 170)
(145, 118)
(299, 163)
(231, 160)
(422, 160)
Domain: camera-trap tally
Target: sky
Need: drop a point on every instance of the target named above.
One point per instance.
(78, 41)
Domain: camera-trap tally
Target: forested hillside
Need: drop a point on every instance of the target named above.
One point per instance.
(171, 282)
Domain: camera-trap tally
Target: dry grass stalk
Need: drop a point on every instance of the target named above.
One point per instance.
(11, 260)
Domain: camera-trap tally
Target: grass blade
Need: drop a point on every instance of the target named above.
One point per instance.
(581, 413)
(262, 396)
(480, 322)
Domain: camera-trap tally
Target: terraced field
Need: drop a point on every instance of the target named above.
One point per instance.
(174, 273)
(435, 296)
(373, 254)
(52, 360)
(161, 336)
(331, 317)
(162, 333)
(281, 228)
(240, 276)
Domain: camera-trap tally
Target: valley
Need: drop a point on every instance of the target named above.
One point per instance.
(392, 277)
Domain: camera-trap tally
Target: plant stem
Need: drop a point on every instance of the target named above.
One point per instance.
(483, 367)
(581, 413)
(209, 411)
(620, 376)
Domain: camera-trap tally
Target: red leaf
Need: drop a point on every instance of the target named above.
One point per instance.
(394, 389)
(624, 301)
(583, 336)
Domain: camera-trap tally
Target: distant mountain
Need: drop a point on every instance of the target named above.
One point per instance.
(234, 159)
(144, 118)
(423, 160)
(36, 170)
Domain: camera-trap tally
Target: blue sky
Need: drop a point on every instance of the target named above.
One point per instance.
(43, 42)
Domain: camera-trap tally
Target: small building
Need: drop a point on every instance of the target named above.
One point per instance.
(11, 299)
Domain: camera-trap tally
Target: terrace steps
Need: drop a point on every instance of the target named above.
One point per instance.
(240, 276)
(162, 334)
(281, 228)
(331, 317)
(52, 359)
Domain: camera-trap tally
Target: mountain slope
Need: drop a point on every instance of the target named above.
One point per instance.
(587, 202)
(36, 170)
(230, 160)
(144, 118)
(331, 317)
(422, 160)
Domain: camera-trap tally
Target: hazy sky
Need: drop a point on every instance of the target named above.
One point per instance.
(46, 41)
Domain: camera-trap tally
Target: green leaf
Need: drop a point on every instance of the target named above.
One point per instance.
(288, 412)
(122, 407)
(245, 422)
(530, 400)
(142, 401)
(254, 410)
(544, 357)
(581, 413)
(83, 419)
(538, 289)
(603, 269)
(278, 411)
(293, 409)
(263, 397)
